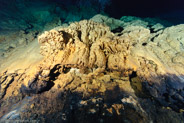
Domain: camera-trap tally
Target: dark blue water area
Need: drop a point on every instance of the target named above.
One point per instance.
(171, 10)
(23, 14)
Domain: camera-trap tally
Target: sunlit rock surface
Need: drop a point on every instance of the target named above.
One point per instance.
(101, 70)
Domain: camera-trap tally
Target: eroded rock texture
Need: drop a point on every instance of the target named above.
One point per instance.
(90, 74)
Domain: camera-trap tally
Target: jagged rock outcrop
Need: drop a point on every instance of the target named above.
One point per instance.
(111, 76)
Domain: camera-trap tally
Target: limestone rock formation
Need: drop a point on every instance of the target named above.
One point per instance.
(91, 71)
(111, 22)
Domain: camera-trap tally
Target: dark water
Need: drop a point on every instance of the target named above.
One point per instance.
(27, 14)
(145, 8)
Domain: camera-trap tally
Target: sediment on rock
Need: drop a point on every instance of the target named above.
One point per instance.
(110, 76)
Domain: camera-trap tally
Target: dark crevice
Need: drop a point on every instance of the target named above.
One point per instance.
(66, 69)
(3, 80)
(49, 85)
(152, 39)
(117, 30)
(79, 34)
(5, 89)
(38, 86)
(144, 44)
(36, 34)
(166, 95)
(151, 29)
(134, 74)
(54, 73)
(138, 86)
(66, 36)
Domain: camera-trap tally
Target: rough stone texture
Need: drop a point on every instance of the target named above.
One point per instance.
(91, 73)
(111, 22)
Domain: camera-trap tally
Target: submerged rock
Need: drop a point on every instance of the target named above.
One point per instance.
(105, 71)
